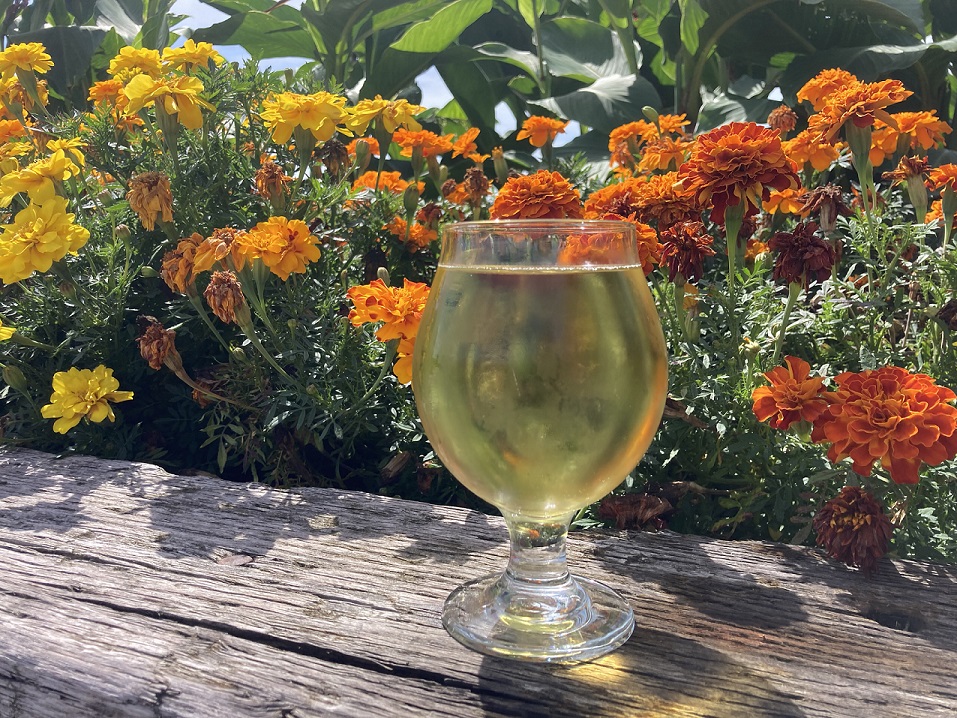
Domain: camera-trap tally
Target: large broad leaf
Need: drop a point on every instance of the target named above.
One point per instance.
(693, 18)
(470, 87)
(394, 71)
(70, 47)
(261, 34)
(619, 15)
(522, 59)
(723, 108)
(906, 13)
(440, 31)
(606, 103)
(118, 15)
(406, 13)
(338, 20)
(582, 49)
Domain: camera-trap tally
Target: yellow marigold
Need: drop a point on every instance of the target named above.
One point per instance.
(400, 308)
(787, 201)
(663, 203)
(665, 153)
(38, 179)
(805, 148)
(191, 55)
(429, 143)
(14, 93)
(10, 129)
(860, 103)
(224, 295)
(107, 92)
(132, 61)
(72, 148)
(391, 114)
(320, 113)
(177, 96)
(286, 246)
(543, 195)
(737, 162)
(79, 393)
(418, 237)
(6, 332)
(39, 235)
(216, 248)
(943, 177)
(540, 131)
(25, 56)
(177, 264)
(819, 88)
(753, 249)
(388, 181)
(151, 198)
(9, 151)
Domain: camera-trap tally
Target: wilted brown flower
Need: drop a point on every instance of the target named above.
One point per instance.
(828, 201)
(907, 168)
(853, 528)
(216, 248)
(803, 255)
(151, 198)
(683, 249)
(783, 119)
(270, 181)
(476, 184)
(335, 157)
(177, 264)
(430, 215)
(948, 314)
(635, 511)
(224, 294)
(157, 344)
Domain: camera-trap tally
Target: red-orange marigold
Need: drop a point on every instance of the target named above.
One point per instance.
(794, 395)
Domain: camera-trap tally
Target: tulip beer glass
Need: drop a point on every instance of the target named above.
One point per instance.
(540, 377)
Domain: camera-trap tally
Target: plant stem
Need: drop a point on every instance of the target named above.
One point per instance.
(794, 289)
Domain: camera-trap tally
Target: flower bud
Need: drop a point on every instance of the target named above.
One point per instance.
(15, 379)
(410, 199)
(383, 274)
(123, 233)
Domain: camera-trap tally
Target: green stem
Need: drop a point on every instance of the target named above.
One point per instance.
(204, 315)
(794, 289)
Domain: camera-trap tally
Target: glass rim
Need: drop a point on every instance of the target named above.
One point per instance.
(561, 224)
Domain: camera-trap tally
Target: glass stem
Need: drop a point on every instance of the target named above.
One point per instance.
(537, 554)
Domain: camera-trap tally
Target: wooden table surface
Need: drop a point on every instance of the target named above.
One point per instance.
(128, 591)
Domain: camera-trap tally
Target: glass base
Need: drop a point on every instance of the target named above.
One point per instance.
(565, 622)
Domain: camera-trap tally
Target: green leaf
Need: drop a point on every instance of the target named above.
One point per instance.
(906, 13)
(406, 13)
(119, 18)
(693, 18)
(606, 103)
(261, 34)
(531, 10)
(722, 108)
(522, 59)
(470, 87)
(71, 48)
(394, 71)
(440, 31)
(582, 49)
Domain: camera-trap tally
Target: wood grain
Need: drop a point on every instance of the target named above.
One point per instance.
(128, 591)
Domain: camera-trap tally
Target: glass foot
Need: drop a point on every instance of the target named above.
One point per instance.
(569, 621)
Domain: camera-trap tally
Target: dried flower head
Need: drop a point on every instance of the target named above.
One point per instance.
(892, 416)
(783, 119)
(224, 295)
(793, 395)
(270, 181)
(177, 264)
(828, 202)
(683, 249)
(853, 528)
(543, 195)
(908, 168)
(476, 184)
(334, 156)
(635, 511)
(803, 255)
(156, 343)
(151, 198)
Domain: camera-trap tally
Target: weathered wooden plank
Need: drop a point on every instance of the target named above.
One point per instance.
(128, 589)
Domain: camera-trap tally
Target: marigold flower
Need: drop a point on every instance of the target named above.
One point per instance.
(429, 143)
(540, 131)
(828, 202)
(625, 141)
(224, 295)
(38, 179)
(753, 249)
(476, 184)
(132, 61)
(892, 416)
(683, 249)
(623, 198)
(286, 246)
(922, 130)
(417, 236)
(388, 182)
(455, 192)
(936, 214)
(783, 119)
(819, 88)
(803, 255)
(371, 141)
(787, 201)
(15, 94)
(793, 395)
(191, 55)
(9, 129)
(156, 343)
(270, 181)
(734, 163)
(402, 369)
(943, 177)
(805, 148)
(665, 153)
(860, 103)
(391, 114)
(39, 235)
(465, 146)
(83, 392)
(71, 148)
(320, 113)
(25, 56)
(107, 92)
(151, 198)
(543, 195)
(216, 248)
(179, 97)
(596, 248)
(853, 528)
(662, 203)
(177, 264)
(400, 308)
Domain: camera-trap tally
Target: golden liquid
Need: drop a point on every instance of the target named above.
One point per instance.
(540, 389)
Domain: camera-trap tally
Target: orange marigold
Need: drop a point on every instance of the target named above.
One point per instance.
(665, 153)
(936, 214)
(737, 162)
(465, 146)
(540, 131)
(943, 177)
(400, 308)
(889, 415)
(788, 201)
(429, 143)
(664, 204)
(216, 248)
(819, 88)
(543, 195)
(286, 246)
(388, 182)
(622, 198)
(371, 141)
(783, 119)
(794, 395)
(804, 148)
(417, 236)
(860, 103)
(683, 249)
